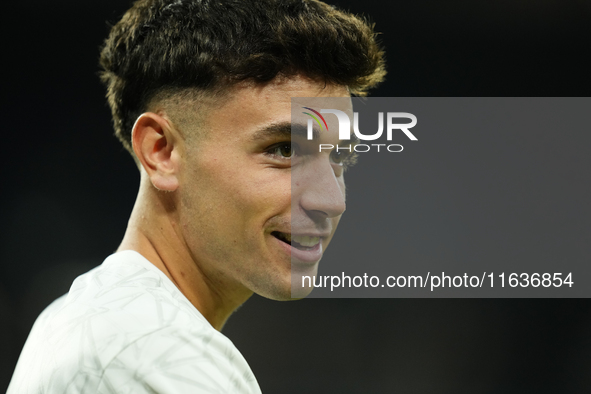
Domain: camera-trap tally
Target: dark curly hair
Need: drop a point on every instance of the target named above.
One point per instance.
(208, 45)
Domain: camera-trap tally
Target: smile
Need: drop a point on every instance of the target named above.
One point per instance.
(301, 242)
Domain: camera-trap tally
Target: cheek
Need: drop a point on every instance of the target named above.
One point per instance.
(238, 197)
(263, 189)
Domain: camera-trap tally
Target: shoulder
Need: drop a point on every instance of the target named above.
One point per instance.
(117, 303)
(180, 359)
(118, 322)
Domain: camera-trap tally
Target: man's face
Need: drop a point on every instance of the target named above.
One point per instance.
(255, 203)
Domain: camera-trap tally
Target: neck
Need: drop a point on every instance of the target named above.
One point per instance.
(153, 232)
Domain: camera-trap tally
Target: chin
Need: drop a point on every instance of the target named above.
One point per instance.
(283, 290)
(299, 288)
(285, 284)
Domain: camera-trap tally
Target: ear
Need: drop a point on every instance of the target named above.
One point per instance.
(156, 147)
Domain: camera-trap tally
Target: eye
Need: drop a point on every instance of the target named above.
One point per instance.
(343, 158)
(282, 150)
(338, 157)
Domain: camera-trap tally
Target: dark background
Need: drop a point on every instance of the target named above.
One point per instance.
(492, 185)
(68, 187)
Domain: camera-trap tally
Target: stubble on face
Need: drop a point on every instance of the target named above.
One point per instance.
(232, 196)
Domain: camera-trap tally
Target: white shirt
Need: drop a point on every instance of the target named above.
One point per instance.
(124, 327)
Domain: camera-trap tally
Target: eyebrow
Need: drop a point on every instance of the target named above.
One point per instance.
(289, 130)
(285, 130)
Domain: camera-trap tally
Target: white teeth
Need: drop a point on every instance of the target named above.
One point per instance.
(305, 240)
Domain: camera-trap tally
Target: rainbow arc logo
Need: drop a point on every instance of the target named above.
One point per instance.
(315, 118)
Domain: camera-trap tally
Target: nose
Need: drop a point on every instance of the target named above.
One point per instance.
(322, 194)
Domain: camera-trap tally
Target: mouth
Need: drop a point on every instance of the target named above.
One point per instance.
(301, 242)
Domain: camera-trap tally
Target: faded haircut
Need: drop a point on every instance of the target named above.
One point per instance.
(165, 47)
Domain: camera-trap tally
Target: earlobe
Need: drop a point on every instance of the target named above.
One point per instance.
(155, 146)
